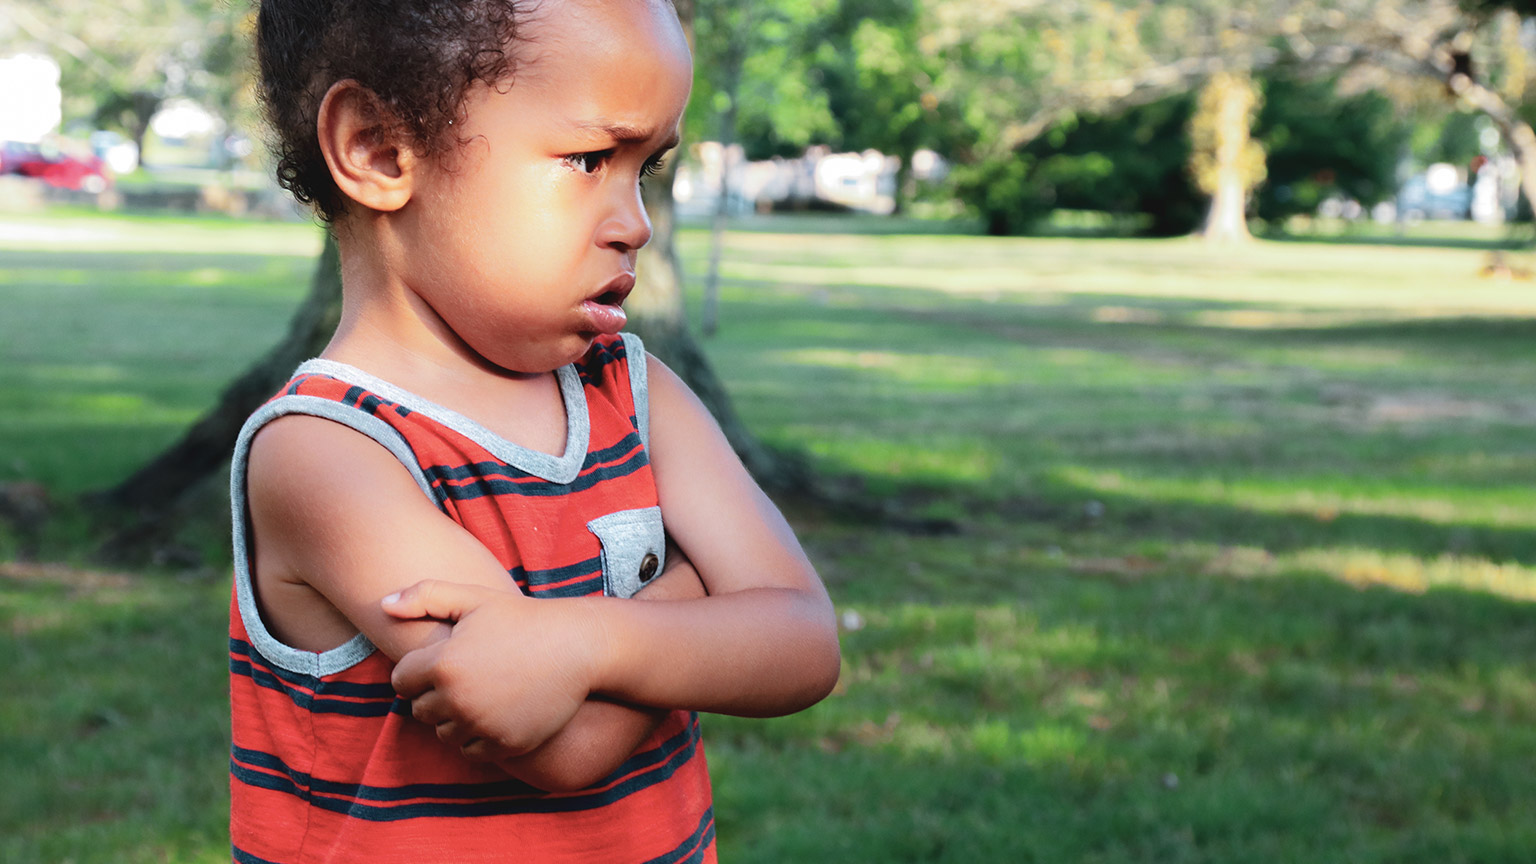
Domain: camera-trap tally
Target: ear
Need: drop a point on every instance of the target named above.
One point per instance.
(367, 163)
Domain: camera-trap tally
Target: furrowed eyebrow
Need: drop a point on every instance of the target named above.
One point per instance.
(625, 133)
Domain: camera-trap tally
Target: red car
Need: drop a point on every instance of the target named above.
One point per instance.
(54, 167)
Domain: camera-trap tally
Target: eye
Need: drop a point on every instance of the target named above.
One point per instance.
(590, 162)
(652, 167)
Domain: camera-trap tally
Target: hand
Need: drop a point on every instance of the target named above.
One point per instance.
(603, 734)
(491, 699)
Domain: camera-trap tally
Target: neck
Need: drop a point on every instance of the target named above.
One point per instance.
(386, 327)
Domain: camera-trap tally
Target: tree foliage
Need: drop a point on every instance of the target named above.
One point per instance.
(1022, 68)
(121, 60)
(1320, 143)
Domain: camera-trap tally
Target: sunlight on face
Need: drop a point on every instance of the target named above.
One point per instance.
(518, 241)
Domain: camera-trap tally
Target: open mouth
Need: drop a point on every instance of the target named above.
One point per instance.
(605, 310)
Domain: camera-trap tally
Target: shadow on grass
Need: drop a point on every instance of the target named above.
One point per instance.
(115, 715)
(1077, 717)
(841, 223)
(1519, 238)
(51, 262)
(1105, 517)
(1146, 518)
(1007, 716)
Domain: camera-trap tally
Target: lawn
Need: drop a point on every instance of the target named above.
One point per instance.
(1244, 567)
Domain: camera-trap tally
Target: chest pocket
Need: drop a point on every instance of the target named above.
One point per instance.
(634, 549)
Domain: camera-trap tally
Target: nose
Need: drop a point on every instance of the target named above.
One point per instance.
(627, 227)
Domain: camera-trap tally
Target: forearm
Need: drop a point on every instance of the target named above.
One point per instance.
(590, 747)
(761, 652)
(603, 733)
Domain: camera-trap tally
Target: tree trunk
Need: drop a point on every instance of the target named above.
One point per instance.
(709, 314)
(1522, 139)
(143, 107)
(152, 491)
(1229, 103)
(732, 60)
(904, 178)
(658, 316)
(1516, 131)
(1227, 221)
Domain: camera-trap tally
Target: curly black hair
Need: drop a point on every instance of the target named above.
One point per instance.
(418, 57)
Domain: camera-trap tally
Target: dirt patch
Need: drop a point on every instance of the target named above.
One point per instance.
(79, 581)
(1419, 407)
(1360, 404)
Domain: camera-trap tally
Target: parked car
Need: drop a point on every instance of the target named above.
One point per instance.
(1419, 198)
(55, 167)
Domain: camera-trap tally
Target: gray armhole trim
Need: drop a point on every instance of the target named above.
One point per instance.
(634, 351)
(358, 648)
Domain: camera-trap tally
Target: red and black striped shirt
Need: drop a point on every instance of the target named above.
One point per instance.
(327, 764)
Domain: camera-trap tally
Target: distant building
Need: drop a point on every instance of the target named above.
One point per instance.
(31, 103)
(818, 178)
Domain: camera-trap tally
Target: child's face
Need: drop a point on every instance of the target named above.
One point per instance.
(524, 240)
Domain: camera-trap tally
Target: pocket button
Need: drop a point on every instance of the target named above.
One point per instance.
(648, 566)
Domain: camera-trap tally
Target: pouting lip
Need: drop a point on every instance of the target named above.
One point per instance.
(615, 290)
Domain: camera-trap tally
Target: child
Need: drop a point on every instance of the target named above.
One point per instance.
(479, 433)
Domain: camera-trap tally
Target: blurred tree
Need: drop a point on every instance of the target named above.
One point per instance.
(1475, 48)
(120, 61)
(753, 69)
(879, 86)
(1131, 164)
(1225, 160)
(1320, 143)
(752, 72)
(1136, 162)
(146, 503)
(845, 73)
(1020, 68)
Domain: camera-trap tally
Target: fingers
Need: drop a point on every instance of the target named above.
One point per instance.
(416, 673)
(433, 598)
(432, 709)
(429, 708)
(479, 750)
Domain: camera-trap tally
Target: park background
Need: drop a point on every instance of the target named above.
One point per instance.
(1159, 421)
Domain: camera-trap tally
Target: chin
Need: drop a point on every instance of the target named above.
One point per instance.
(547, 359)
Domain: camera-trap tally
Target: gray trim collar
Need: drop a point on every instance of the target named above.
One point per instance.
(555, 469)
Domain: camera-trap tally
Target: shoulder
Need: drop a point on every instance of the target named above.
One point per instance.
(676, 410)
(305, 470)
(687, 446)
(333, 510)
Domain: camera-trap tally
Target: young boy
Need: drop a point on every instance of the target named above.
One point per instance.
(461, 501)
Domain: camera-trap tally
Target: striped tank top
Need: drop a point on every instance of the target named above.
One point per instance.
(328, 765)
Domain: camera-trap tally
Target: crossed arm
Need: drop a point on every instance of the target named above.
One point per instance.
(356, 529)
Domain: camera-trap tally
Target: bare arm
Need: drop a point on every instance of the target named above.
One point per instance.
(603, 733)
(764, 642)
(338, 524)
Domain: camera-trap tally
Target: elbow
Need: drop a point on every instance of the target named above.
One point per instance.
(807, 671)
(827, 669)
(561, 775)
(821, 666)
(572, 780)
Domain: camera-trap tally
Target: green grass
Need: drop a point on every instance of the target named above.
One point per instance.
(1245, 567)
